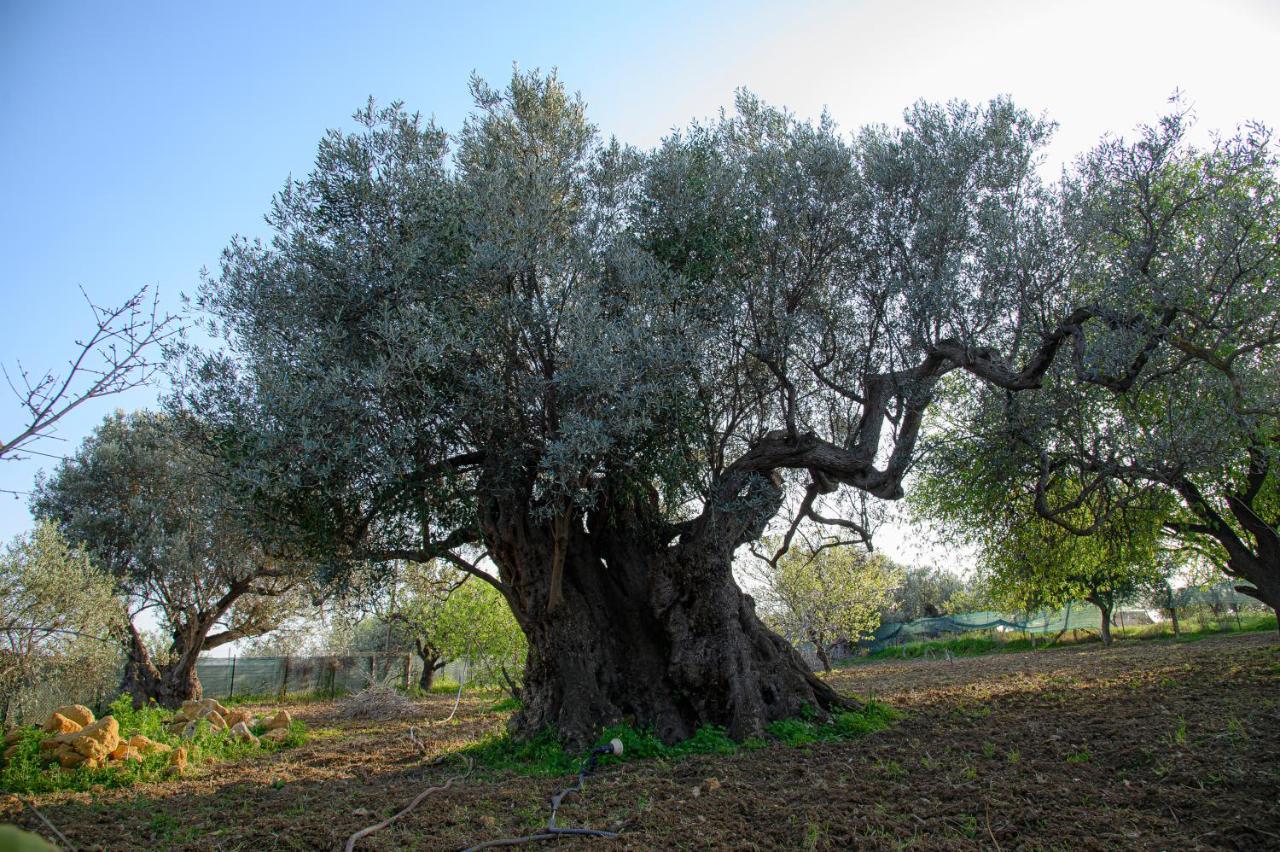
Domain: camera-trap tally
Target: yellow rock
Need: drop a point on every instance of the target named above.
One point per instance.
(145, 745)
(236, 716)
(215, 719)
(13, 736)
(71, 759)
(280, 720)
(59, 724)
(105, 732)
(124, 751)
(92, 749)
(241, 732)
(77, 713)
(275, 735)
(178, 760)
(190, 708)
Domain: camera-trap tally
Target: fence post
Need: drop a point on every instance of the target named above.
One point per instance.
(231, 690)
(284, 679)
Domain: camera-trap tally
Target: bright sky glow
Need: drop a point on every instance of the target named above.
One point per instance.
(136, 139)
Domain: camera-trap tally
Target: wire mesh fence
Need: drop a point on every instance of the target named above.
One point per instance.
(263, 678)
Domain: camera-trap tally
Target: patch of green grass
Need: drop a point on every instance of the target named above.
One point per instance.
(27, 770)
(1082, 756)
(311, 696)
(872, 717)
(506, 705)
(544, 755)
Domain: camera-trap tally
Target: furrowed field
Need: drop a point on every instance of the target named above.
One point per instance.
(1155, 744)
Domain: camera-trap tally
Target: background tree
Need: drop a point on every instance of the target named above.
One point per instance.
(924, 591)
(1177, 246)
(609, 369)
(151, 508)
(58, 617)
(827, 596)
(1027, 562)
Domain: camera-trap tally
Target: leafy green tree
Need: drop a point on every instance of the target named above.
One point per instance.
(58, 617)
(150, 506)
(828, 596)
(608, 369)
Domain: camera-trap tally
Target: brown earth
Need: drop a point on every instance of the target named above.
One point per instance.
(1142, 746)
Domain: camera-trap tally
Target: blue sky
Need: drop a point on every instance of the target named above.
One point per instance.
(135, 139)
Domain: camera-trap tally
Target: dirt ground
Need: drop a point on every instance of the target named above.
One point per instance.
(1148, 745)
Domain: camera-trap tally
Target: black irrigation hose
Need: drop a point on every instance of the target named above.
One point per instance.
(551, 832)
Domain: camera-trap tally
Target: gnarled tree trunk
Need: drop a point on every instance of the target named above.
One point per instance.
(647, 630)
(168, 685)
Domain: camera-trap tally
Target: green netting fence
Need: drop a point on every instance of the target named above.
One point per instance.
(1077, 615)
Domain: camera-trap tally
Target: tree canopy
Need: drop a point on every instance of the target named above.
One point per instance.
(608, 369)
(153, 509)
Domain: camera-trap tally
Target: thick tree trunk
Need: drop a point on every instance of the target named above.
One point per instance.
(655, 634)
(431, 663)
(167, 685)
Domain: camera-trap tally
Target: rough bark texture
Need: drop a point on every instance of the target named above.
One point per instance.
(167, 685)
(431, 663)
(647, 630)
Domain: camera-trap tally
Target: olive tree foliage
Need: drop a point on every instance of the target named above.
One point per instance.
(608, 370)
(827, 596)
(1176, 247)
(152, 509)
(58, 617)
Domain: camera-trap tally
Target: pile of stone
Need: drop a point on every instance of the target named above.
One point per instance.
(236, 722)
(80, 740)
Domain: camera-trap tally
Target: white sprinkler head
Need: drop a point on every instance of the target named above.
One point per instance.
(616, 745)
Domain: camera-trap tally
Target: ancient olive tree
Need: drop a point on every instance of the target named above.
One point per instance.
(149, 504)
(1175, 247)
(607, 369)
(826, 596)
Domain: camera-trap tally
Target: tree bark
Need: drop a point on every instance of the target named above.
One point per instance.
(167, 685)
(823, 656)
(431, 663)
(1105, 609)
(645, 630)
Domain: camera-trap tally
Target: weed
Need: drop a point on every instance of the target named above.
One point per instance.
(988, 750)
(1180, 731)
(1082, 756)
(889, 768)
(1013, 756)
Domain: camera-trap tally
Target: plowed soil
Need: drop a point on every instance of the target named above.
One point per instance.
(1147, 745)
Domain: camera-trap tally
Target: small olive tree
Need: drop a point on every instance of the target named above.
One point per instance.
(58, 616)
(827, 595)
